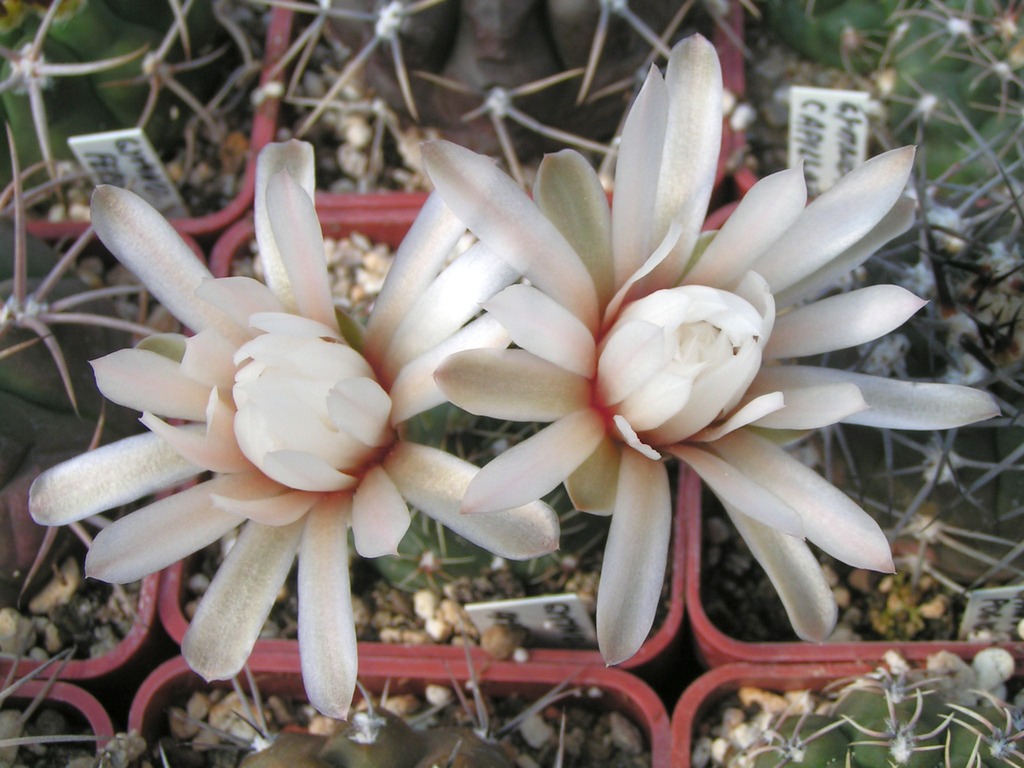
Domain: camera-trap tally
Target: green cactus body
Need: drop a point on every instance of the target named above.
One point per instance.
(93, 31)
(953, 66)
(812, 740)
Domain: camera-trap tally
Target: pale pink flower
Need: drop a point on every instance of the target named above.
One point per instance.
(640, 338)
(297, 416)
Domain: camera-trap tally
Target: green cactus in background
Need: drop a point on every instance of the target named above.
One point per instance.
(83, 66)
(896, 719)
(47, 418)
(948, 71)
(430, 555)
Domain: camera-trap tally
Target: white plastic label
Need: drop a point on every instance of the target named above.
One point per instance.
(125, 158)
(553, 621)
(828, 130)
(996, 611)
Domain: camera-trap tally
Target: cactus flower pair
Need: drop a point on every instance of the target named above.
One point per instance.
(638, 337)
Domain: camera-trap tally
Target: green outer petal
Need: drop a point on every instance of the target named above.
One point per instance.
(238, 600)
(570, 194)
(593, 485)
(511, 384)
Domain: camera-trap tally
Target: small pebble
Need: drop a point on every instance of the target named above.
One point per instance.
(501, 640)
(425, 603)
(438, 695)
(535, 731)
(17, 634)
(625, 735)
(993, 666)
(439, 629)
(60, 590)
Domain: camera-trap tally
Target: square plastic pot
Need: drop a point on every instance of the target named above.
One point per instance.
(715, 648)
(79, 707)
(207, 226)
(711, 688)
(279, 674)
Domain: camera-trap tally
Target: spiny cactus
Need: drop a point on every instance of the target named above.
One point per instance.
(947, 71)
(510, 78)
(897, 717)
(118, 63)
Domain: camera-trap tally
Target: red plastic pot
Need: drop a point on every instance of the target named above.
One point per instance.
(79, 707)
(130, 657)
(279, 674)
(711, 688)
(264, 127)
(715, 647)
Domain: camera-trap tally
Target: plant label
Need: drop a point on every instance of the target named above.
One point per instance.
(995, 611)
(828, 131)
(553, 621)
(125, 158)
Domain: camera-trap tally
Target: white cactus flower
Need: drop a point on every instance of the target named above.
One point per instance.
(298, 417)
(641, 338)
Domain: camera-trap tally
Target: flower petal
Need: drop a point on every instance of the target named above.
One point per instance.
(327, 635)
(107, 477)
(214, 449)
(421, 256)
(511, 384)
(530, 469)
(293, 220)
(837, 220)
(638, 164)
(296, 158)
(841, 321)
(161, 534)
(570, 194)
(733, 487)
(447, 303)
(147, 381)
(506, 220)
(359, 407)
(813, 407)
(380, 516)
(754, 410)
(436, 482)
(142, 239)
(635, 557)
(238, 600)
(891, 403)
(635, 352)
(830, 519)
(592, 486)
(208, 360)
(239, 298)
(895, 223)
(415, 390)
(693, 142)
(305, 472)
(762, 217)
(796, 575)
(541, 325)
(262, 500)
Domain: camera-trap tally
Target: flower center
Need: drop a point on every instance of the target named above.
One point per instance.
(310, 414)
(675, 360)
